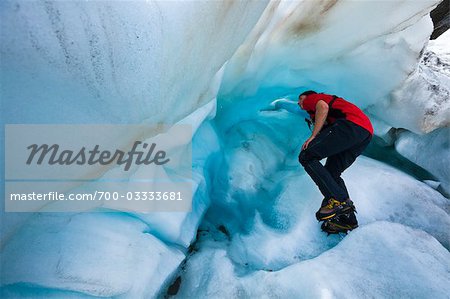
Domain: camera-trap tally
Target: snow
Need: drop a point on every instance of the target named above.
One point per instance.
(112, 62)
(439, 46)
(232, 71)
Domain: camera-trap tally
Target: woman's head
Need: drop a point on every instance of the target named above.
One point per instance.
(303, 96)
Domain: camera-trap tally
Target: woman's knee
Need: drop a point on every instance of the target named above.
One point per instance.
(305, 157)
(333, 170)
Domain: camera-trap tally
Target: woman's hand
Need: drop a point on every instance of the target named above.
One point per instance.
(305, 145)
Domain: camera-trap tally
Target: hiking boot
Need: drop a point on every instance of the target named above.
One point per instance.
(334, 208)
(340, 224)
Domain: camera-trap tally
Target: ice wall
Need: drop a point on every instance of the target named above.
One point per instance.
(134, 62)
(112, 62)
(431, 151)
(260, 230)
(116, 61)
(332, 46)
(422, 103)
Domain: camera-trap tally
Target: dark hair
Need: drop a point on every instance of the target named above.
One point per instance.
(306, 93)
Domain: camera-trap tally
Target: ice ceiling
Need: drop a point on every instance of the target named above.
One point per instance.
(232, 70)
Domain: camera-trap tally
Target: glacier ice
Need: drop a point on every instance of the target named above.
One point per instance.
(80, 52)
(331, 46)
(96, 254)
(386, 258)
(422, 103)
(77, 68)
(156, 241)
(273, 243)
(431, 151)
(232, 70)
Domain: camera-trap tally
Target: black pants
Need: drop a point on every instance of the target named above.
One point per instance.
(341, 142)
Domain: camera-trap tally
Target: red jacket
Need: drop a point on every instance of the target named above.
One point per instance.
(340, 109)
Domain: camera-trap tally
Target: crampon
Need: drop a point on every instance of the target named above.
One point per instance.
(340, 224)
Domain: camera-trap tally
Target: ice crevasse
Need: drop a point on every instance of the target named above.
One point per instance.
(233, 70)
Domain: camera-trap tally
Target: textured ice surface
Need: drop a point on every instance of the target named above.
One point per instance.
(431, 151)
(379, 260)
(284, 230)
(422, 103)
(108, 254)
(332, 46)
(439, 47)
(181, 227)
(76, 257)
(146, 62)
(266, 202)
(113, 61)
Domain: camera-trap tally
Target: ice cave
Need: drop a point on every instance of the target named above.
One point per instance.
(233, 70)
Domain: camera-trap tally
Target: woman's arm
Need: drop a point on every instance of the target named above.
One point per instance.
(320, 117)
